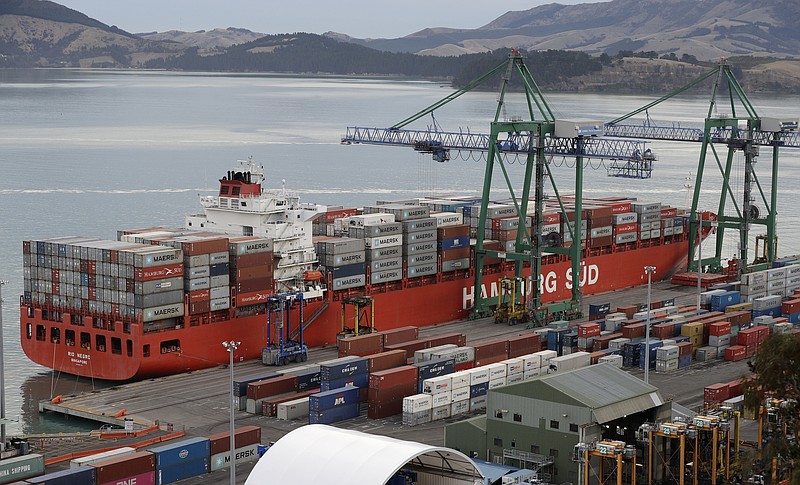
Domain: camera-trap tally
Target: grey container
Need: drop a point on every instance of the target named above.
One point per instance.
(161, 313)
(196, 284)
(766, 303)
(386, 276)
(667, 352)
(455, 264)
(407, 212)
(416, 225)
(384, 241)
(384, 253)
(191, 272)
(222, 280)
(335, 260)
(386, 264)
(197, 260)
(375, 230)
(158, 299)
(158, 256)
(341, 245)
(424, 258)
(216, 258)
(706, 353)
(157, 286)
(420, 237)
(349, 282)
(421, 270)
(220, 292)
(419, 247)
(220, 304)
(719, 340)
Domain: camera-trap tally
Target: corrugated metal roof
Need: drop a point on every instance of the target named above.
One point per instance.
(610, 392)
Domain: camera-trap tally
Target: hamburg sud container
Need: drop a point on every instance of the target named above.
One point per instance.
(328, 407)
(138, 468)
(82, 475)
(184, 459)
(21, 467)
(246, 441)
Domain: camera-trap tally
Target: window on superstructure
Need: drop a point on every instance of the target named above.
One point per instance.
(116, 345)
(55, 335)
(41, 333)
(75, 319)
(86, 341)
(236, 191)
(69, 337)
(247, 230)
(126, 327)
(146, 350)
(223, 190)
(100, 343)
(28, 331)
(129, 347)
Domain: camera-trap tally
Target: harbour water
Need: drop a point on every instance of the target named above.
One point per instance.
(90, 152)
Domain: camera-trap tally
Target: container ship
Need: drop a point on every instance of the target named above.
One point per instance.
(159, 301)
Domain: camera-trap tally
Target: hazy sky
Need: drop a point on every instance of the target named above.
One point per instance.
(358, 18)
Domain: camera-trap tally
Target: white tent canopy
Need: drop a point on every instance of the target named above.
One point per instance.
(324, 454)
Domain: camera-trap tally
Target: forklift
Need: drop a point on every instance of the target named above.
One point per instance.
(511, 309)
(285, 350)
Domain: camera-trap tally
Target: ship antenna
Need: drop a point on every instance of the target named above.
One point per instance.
(283, 186)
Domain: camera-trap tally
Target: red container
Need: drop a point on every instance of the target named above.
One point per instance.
(790, 306)
(685, 348)
(120, 468)
(626, 228)
(458, 253)
(254, 259)
(663, 330)
(451, 232)
(716, 392)
(524, 344)
(599, 242)
(198, 307)
(735, 388)
(602, 342)
(491, 360)
(271, 387)
(371, 343)
(246, 273)
(748, 336)
(409, 347)
(628, 310)
(595, 356)
(269, 407)
(400, 335)
(386, 360)
(156, 273)
(199, 295)
(719, 328)
(668, 212)
(589, 330)
(252, 298)
(465, 366)
(391, 394)
(549, 218)
(752, 348)
(458, 339)
(205, 246)
(634, 331)
(735, 352)
(332, 215)
(490, 349)
(257, 284)
(248, 435)
(393, 377)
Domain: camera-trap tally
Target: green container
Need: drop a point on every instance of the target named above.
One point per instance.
(21, 467)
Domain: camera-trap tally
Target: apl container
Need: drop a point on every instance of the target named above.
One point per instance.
(358, 380)
(181, 452)
(334, 398)
(335, 414)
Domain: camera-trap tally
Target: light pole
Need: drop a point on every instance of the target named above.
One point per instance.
(649, 270)
(231, 347)
(2, 376)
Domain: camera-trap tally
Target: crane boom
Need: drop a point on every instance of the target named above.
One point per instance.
(788, 139)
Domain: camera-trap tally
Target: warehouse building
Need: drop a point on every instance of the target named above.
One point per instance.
(536, 424)
(318, 453)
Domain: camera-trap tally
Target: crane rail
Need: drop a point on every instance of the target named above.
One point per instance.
(518, 143)
(789, 139)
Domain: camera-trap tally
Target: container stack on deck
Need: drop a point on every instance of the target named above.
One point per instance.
(419, 256)
(344, 258)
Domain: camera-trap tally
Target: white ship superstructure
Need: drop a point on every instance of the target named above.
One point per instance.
(244, 208)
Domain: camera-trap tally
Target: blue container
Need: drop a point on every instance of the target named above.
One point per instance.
(361, 380)
(453, 243)
(307, 379)
(654, 345)
(333, 415)
(173, 473)
(569, 339)
(773, 312)
(348, 270)
(240, 387)
(435, 368)
(334, 398)
(723, 300)
(219, 269)
(680, 338)
(599, 309)
(478, 390)
(183, 451)
(82, 475)
(554, 334)
(684, 360)
(678, 221)
(343, 367)
(794, 317)
(262, 449)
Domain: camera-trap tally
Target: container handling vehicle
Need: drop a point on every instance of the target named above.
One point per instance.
(286, 349)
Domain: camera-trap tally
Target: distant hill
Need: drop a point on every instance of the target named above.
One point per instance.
(39, 33)
(705, 29)
(206, 39)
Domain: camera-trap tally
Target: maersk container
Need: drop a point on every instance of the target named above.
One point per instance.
(383, 253)
(337, 260)
(343, 367)
(241, 455)
(422, 258)
(81, 475)
(161, 313)
(422, 270)
(419, 247)
(348, 270)
(181, 471)
(199, 271)
(359, 380)
(386, 276)
(575, 360)
(21, 467)
(383, 241)
(416, 225)
(427, 354)
(386, 264)
(333, 398)
(349, 282)
(342, 245)
(420, 237)
(158, 299)
(374, 230)
(455, 264)
(181, 452)
(417, 403)
(333, 415)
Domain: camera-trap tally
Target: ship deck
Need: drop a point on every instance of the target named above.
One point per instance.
(197, 403)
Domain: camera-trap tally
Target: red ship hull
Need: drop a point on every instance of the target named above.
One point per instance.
(197, 344)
